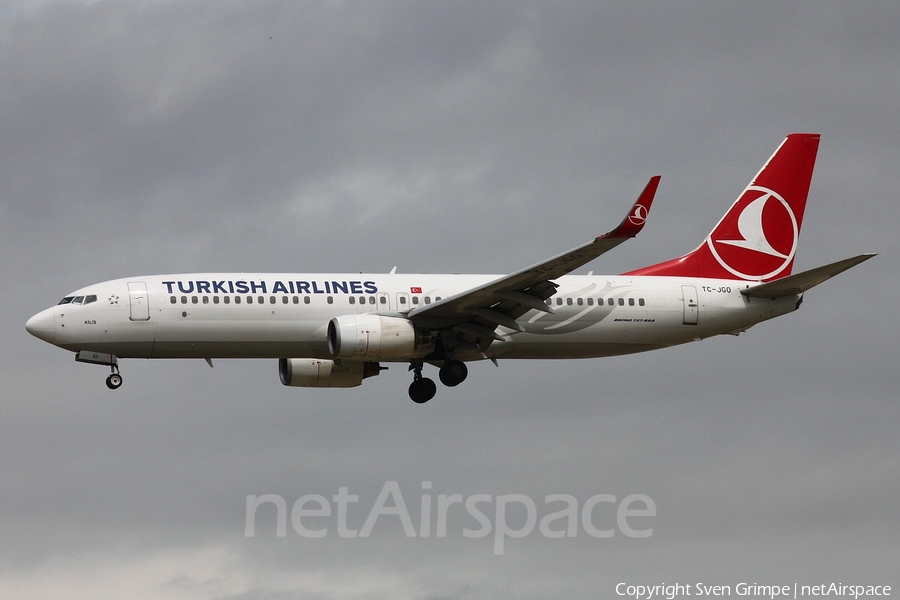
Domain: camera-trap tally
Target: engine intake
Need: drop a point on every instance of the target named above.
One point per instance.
(372, 337)
(323, 373)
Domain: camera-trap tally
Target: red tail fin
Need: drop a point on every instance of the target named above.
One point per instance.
(757, 238)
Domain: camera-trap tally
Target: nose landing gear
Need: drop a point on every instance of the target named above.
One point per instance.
(114, 381)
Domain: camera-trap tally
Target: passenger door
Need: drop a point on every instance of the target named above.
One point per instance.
(138, 301)
(691, 304)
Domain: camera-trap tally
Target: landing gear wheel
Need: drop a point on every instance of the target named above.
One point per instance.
(453, 373)
(422, 390)
(114, 381)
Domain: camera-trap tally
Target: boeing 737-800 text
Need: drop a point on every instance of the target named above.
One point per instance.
(335, 330)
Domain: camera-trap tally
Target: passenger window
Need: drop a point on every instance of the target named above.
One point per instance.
(611, 302)
(415, 299)
(184, 299)
(383, 300)
(296, 299)
(305, 299)
(173, 299)
(261, 300)
(437, 299)
(330, 300)
(580, 301)
(205, 299)
(371, 299)
(631, 302)
(590, 301)
(226, 299)
(568, 301)
(237, 299)
(193, 299)
(271, 299)
(621, 301)
(352, 300)
(249, 299)
(559, 301)
(641, 301)
(427, 299)
(284, 299)
(215, 299)
(403, 300)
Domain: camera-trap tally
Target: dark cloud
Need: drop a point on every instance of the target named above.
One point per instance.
(457, 137)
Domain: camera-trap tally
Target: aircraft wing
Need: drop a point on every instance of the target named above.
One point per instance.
(800, 282)
(478, 311)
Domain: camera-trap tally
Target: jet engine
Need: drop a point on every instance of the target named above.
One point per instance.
(372, 337)
(323, 373)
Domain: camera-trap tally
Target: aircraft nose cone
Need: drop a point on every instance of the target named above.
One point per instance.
(41, 325)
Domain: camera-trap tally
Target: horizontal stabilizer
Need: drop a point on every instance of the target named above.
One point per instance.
(799, 283)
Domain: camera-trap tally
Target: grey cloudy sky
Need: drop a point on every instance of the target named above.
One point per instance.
(154, 137)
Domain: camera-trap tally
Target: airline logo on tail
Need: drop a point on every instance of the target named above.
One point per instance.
(758, 237)
(639, 215)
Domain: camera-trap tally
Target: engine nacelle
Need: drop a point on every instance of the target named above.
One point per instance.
(322, 373)
(372, 337)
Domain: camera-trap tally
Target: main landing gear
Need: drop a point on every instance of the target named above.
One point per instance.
(453, 373)
(422, 389)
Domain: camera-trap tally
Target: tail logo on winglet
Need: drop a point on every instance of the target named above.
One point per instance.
(639, 215)
(758, 238)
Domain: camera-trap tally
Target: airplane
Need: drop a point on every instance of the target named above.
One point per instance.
(334, 330)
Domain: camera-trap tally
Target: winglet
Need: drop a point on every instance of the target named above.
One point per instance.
(637, 216)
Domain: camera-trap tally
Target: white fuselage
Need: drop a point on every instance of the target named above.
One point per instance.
(267, 315)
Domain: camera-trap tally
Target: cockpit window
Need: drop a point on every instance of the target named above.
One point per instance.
(66, 300)
(91, 298)
(78, 300)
